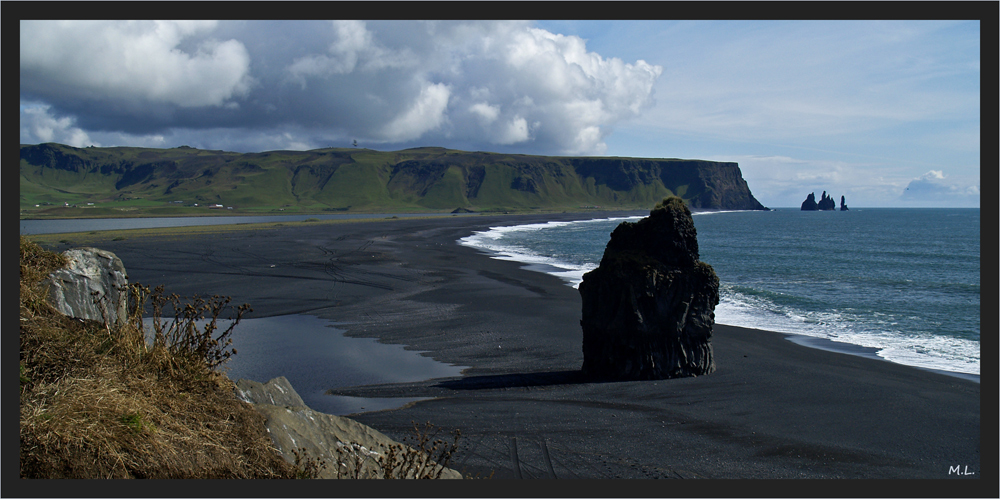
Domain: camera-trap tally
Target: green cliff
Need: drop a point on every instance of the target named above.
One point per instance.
(363, 180)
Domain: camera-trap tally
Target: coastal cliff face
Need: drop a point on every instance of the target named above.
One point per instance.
(702, 184)
(648, 309)
(358, 179)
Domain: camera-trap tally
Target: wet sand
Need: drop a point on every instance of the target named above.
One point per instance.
(774, 409)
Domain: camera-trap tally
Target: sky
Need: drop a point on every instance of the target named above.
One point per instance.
(885, 113)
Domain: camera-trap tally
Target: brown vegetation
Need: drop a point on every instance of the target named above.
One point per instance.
(97, 402)
(100, 401)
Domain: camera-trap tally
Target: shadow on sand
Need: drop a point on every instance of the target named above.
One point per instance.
(517, 380)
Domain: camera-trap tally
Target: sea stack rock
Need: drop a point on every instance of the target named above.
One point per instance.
(649, 308)
(843, 204)
(810, 203)
(826, 203)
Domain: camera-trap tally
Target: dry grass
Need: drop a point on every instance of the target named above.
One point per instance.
(96, 402)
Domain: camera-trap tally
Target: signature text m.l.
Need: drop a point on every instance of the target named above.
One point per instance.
(958, 470)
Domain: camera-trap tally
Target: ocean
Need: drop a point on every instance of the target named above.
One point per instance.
(902, 281)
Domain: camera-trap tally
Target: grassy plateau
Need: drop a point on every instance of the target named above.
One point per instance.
(59, 181)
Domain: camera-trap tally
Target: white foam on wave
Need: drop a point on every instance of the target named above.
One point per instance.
(492, 242)
(574, 277)
(917, 349)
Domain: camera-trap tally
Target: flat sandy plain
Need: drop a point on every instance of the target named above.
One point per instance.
(773, 409)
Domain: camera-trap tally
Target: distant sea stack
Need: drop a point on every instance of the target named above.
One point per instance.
(810, 203)
(826, 203)
(649, 308)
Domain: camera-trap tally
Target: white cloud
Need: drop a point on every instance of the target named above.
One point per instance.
(487, 113)
(132, 61)
(353, 45)
(425, 114)
(513, 132)
(352, 38)
(935, 188)
(502, 77)
(37, 125)
(292, 143)
(589, 140)
(382, 82)
(580, 94)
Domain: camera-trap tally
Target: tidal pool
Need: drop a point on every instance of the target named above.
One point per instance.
(315, 356)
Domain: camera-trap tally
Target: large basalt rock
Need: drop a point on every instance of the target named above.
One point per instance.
(649, 308)
(92, 286)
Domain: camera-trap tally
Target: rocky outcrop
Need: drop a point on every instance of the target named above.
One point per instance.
(91, 286)
(277, 391)
(826, 203)
(294, 426)
(843, 204)
(648, 309)
(810, 203)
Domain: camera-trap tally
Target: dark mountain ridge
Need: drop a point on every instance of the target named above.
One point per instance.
(341, 179)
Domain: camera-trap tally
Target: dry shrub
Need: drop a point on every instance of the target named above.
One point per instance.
(183, 337)
(424, 456)
(307, 467)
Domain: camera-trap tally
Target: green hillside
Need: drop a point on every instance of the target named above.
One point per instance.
(59, 180)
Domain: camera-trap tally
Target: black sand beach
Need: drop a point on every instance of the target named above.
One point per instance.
(773, 409)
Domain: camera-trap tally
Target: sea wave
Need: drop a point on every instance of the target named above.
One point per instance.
(912, 348)
(747, 307)
(493, 242)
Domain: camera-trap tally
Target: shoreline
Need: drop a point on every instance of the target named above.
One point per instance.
(808, 340)
(571, 278)
(866, 352)
(773, 408)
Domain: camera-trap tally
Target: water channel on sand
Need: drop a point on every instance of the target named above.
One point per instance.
(316, 356)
